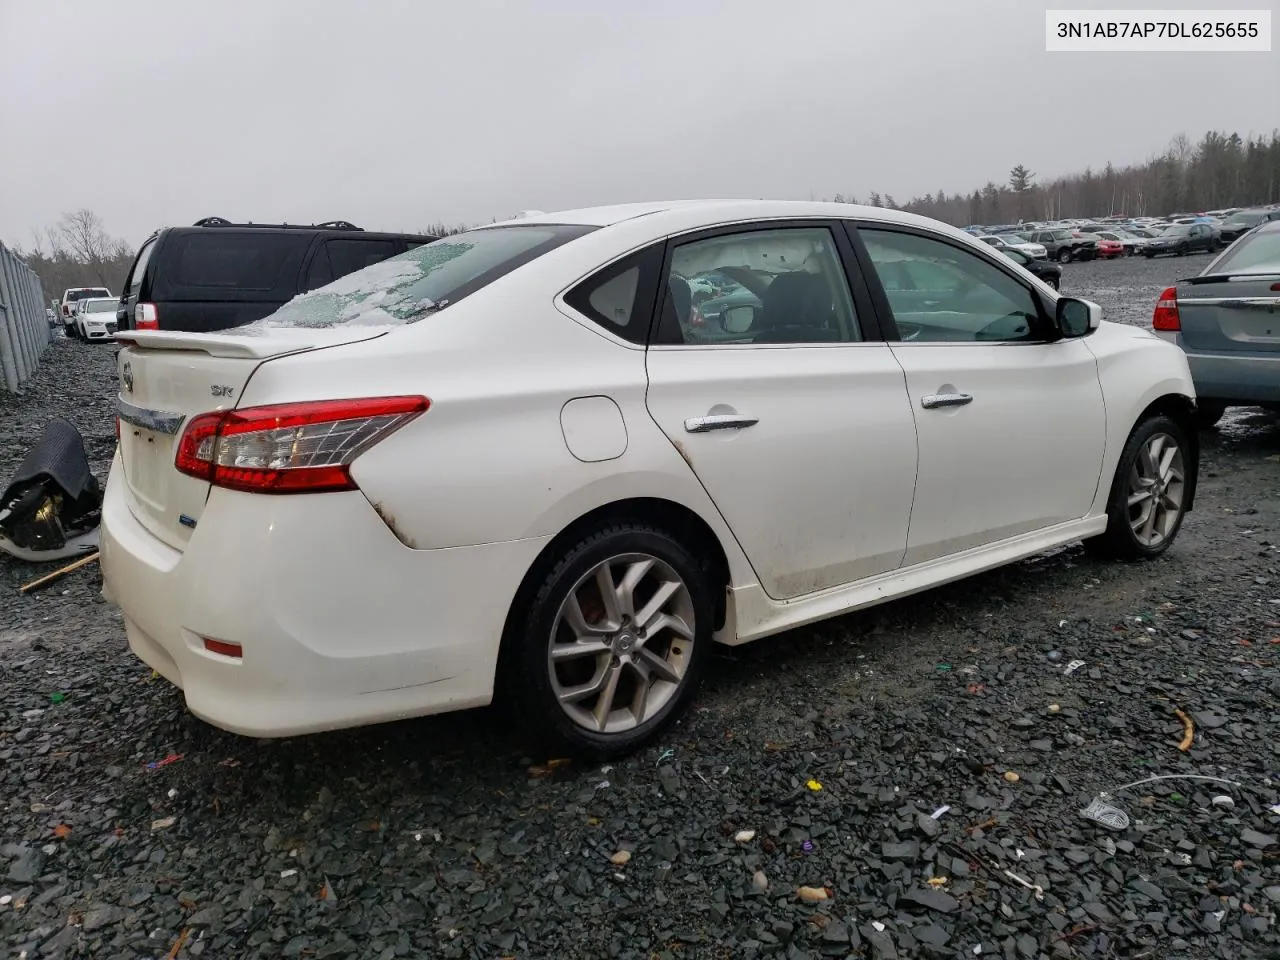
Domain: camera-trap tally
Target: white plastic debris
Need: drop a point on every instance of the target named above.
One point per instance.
(1276, 809)
(1072, 667)
(939, 812)
(1224, 802)
(284, 874)
(164, 823)
(744, 836)
(1113, 818)
(878, 925)
(172, 793)
(6, 900)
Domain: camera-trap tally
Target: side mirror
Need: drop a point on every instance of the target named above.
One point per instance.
(1076, 317)
(738, 319)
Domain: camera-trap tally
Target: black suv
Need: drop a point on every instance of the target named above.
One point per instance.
(1063, 245)
(217, 274)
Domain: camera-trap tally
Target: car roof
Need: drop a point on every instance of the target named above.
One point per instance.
(717, 211)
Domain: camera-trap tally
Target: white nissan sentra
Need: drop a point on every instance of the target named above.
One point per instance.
(526, 464)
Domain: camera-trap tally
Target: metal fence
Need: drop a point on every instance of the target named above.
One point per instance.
(25, 330)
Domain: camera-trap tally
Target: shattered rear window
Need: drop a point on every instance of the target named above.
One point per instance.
(430, 277)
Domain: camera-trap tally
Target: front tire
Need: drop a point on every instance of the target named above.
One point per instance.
(1148, 494)
(609, 643)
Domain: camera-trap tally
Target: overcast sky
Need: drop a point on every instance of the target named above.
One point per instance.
(397, 113)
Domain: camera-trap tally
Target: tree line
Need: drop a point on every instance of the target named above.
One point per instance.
(1221, 170)
(78, 252)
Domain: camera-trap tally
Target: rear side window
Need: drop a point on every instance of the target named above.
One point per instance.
(413, 284)
(620, 297)
(234, 261)
(348, 256)
(1258, 253)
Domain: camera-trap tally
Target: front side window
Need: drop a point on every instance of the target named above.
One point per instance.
(773, 286)
(941, 293)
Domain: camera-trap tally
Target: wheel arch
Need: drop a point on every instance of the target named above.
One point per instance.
(677, 519)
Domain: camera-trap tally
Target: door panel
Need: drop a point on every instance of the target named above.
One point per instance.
(1024, 453)
(1011, 427)
(799, 429)
(818, 490)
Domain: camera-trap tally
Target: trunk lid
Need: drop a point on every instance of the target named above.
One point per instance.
(165, 379)
(1231, 313)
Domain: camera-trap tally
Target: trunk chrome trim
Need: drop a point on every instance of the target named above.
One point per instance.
(1266, 303)
(161, 421)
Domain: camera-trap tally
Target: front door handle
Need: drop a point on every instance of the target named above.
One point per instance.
(719, 421)
(934, 400)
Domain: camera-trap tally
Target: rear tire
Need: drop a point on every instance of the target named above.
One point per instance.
(1064, 255)
(644, 658)
(1208, 413)
(1148, 493)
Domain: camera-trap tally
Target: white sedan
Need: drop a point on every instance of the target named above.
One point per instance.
(95, 318)
(504, 467)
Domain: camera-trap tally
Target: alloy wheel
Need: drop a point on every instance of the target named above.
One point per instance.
(1157, 484)
(622, 643)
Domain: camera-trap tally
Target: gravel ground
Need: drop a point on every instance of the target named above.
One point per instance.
(834, 744)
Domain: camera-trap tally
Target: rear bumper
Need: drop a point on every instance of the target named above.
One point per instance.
(340, 623)
(1241, 378)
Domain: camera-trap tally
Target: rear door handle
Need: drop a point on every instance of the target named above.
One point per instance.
(935, 400)
(720, 421)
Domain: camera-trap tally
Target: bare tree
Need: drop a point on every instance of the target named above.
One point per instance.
(88, 240)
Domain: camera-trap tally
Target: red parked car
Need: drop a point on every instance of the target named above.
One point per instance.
(1106, 249)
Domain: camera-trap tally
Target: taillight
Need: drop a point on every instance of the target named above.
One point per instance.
(145, 317)
(1166, 315)
(290, 447)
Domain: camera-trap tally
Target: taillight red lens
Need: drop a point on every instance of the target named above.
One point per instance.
(290, 447)
(146, 317)
(1166, 315)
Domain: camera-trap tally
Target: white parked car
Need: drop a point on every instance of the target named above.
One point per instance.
(70, 297)
(500, 466)
(95, 318)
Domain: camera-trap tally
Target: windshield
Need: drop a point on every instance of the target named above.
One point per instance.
(407, 287)
(1176, 230)
(1257, 253)
(100, 306)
